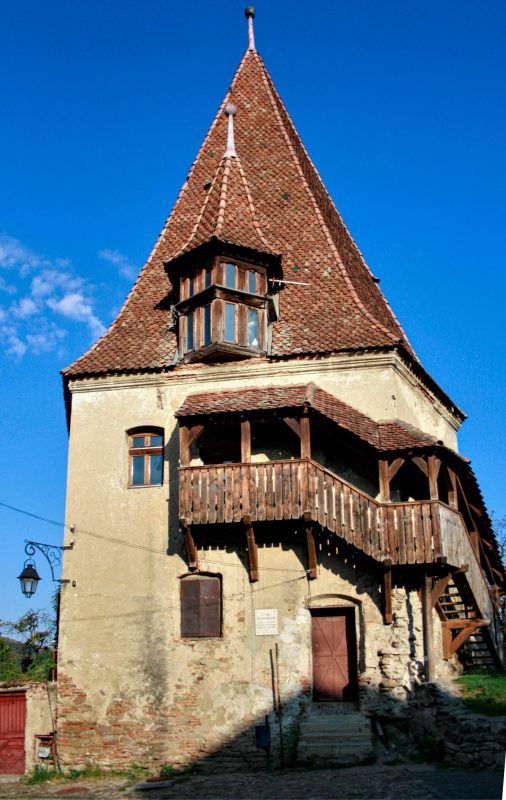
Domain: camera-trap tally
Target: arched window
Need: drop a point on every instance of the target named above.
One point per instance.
(200, 606)
(145, 457)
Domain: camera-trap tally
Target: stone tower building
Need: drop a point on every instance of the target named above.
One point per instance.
(275, 535)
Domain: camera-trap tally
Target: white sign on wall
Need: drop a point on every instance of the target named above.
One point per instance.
(266, 621)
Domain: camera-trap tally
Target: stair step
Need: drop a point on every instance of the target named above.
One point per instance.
(327, 735)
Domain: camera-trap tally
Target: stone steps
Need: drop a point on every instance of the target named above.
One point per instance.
(340, 738)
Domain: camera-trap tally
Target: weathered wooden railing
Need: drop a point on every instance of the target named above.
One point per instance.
(457, 548)
(408, 533)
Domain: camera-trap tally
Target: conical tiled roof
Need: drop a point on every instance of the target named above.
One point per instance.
(228, 213)
(275, 201)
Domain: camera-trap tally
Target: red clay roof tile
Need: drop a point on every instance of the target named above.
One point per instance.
(383, 436)
(273, 195)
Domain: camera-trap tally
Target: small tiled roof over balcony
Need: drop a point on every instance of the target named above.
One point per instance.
(383, 436)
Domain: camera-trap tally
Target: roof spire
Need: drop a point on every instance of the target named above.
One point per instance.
(249, 13)
(230, 111)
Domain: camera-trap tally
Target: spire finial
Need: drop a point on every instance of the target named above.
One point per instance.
(230, 112)
(249, 13)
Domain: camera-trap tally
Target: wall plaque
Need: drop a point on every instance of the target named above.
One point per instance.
(266, 621)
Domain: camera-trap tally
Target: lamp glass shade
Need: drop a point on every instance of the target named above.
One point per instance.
(29, 580)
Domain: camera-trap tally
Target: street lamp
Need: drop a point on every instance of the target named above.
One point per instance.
(29, 577)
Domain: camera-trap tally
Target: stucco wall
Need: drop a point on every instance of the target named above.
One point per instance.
(130, 689)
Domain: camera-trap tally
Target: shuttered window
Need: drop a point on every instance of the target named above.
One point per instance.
(200, 606)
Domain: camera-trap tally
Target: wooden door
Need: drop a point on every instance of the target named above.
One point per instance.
(334, 655)
(12, 733)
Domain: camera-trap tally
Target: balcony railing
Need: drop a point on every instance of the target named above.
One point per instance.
(407, 533)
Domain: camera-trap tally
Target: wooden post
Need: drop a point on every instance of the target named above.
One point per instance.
(305, 437)
(184, 449)
(245, 441)
(187, 437)
(384, 481)
(252, 549)
(452, 492)
(387, 591)
(433, 465)
(311, 571)
(428, 646)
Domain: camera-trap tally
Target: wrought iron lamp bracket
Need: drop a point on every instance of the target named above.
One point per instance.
(52, 554)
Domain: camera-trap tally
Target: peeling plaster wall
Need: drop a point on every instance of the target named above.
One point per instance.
(131, 691)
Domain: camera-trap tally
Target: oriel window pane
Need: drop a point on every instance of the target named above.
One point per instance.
(207, 324)
(252, 281)
(207, 278)
(138, 471)
(253, 327)
(230, 322)
(189, 331)
(191, 287)
(230, 276)
(155, 473)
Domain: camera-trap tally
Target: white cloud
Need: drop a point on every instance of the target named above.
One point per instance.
(125, 267)
(74, 306)
(8, 288)
(26, 307)
(28, 324)
(14, 255)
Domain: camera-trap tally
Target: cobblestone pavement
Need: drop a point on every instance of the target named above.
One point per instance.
(406, 782)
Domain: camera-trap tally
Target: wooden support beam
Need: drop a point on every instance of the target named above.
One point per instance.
(428, 646)
(387, 591)
(305, 437)
(421, 464)
(191, 549)
(311, 571)
(187, 437)
(245, 441)
(293, 425)
(439, 588)
(384, 481)
(433, 467)
(395, 467)
(466, 627)
(252, 549)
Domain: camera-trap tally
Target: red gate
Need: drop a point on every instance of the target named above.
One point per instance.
(12, 733)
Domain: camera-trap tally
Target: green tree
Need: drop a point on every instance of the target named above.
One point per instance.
(9, 668)
(35, 629)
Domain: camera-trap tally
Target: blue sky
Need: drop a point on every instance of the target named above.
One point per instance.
(400, 105)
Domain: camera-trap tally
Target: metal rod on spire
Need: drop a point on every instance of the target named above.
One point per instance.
(230, 111)
(249, 13)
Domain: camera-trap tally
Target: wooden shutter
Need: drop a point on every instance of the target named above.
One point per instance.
(190, 602)
(200, 606)
(210, 607)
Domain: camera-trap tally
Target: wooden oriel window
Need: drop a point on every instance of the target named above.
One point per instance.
(223, 302)
(145, 458)
(200, 606)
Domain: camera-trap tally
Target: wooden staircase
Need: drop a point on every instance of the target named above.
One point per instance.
(393, 534)
(464, 630)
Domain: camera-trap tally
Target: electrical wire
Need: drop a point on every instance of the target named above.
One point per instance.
(74, 529)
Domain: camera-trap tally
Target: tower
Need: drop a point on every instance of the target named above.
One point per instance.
(278, 503)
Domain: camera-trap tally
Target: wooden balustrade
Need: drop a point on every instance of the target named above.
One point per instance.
(407, 533)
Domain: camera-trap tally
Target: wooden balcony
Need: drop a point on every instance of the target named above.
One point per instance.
(406, 533)
(398, 533)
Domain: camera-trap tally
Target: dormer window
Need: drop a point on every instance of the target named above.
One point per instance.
(223, 310)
